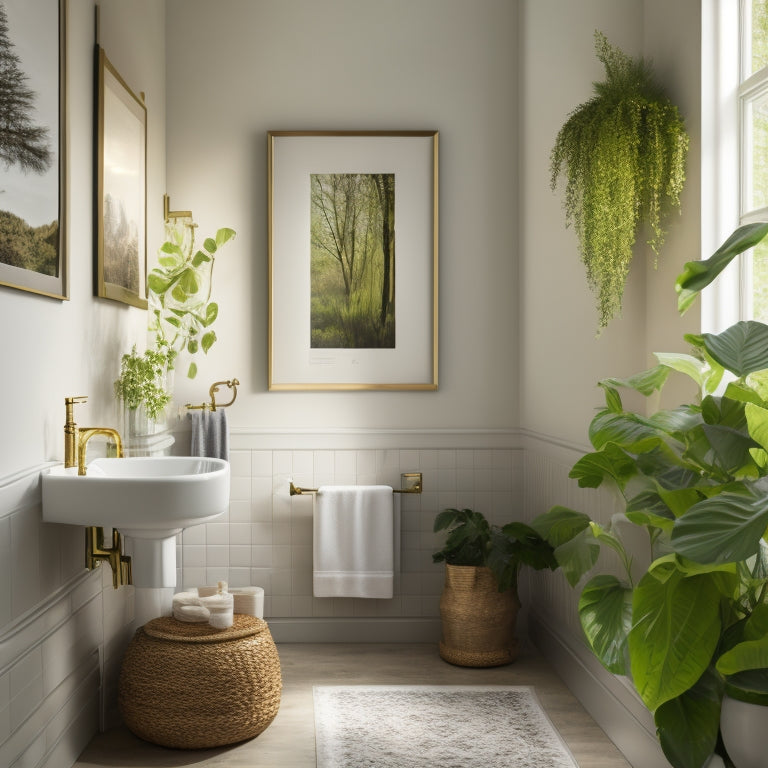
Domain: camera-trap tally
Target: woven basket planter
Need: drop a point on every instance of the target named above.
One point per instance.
(191, 686)
(478, 621)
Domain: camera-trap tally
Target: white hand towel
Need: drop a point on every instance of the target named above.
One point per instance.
(353, 542)
(210, 434)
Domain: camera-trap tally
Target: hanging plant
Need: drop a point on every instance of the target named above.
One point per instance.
(623, 156)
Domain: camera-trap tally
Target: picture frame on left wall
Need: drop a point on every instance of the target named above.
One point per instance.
(121, 188)
(33, 251)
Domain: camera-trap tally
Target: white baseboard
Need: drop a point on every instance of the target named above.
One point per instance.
(355, 630)
(610, 701)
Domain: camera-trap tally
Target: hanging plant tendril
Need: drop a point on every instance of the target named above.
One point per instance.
(623, 156)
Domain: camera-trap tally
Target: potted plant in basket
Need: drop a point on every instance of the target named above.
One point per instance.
(479, 603)
(692, 628)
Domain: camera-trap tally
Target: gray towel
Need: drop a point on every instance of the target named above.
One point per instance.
(210, 435)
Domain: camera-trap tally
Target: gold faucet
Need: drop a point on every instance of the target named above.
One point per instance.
(85, 434)
(76, 439)
(70, 430)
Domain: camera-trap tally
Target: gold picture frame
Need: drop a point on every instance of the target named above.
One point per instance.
(33, 243)
(121, 188)
(360, 315)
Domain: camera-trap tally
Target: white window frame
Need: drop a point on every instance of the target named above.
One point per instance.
(753, 87)
(728, 91)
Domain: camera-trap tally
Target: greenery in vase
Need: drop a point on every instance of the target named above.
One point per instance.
(623, 155)
(181, 310)
(694, 622)
(141, 381)
(471, 540)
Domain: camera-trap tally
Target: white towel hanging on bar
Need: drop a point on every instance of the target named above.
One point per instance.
(353, 541)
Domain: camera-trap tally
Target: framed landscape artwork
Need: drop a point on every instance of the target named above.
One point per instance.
(33, 253)
(353, 264)
(121, 189)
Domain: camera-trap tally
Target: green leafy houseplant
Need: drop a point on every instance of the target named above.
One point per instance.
(695, 479)
(471, 540)
(623, 156)
(142, 382)
(181, 310)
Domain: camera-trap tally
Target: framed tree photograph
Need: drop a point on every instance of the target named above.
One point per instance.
(353, 265)
(33, 254)
(121, 188)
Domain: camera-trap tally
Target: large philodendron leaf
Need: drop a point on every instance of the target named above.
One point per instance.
(751, 654)
(605, 611)
(646, 382)
(577, 556)
(675, 630)
(688, 725)
(697, 275)
(560, 524)
(722, 529)
(609, 462)
(741, 349)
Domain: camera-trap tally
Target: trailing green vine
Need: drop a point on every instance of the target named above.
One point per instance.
(623, 155)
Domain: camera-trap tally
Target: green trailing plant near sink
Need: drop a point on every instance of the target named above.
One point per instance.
(694, 478)
(181, 310)
(623, 156)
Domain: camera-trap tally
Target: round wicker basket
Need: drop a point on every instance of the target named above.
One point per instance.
(191, 686)
(478, 621)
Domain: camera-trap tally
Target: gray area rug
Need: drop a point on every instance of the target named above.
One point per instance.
(404, 726)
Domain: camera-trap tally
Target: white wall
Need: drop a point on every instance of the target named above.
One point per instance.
(561, 360)
(62, 629)
(238, 69)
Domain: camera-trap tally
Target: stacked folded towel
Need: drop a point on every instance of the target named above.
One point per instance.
(217, 605)
(217, 609)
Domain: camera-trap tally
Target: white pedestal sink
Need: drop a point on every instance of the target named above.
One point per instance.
(149, 499)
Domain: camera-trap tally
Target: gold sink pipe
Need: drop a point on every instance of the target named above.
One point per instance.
(75, 446)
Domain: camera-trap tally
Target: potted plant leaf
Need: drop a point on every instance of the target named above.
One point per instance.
(479, 603)
(181, 310)
(691, 627)
(623, 157)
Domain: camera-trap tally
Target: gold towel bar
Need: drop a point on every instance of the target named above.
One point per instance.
(213, 405)
(411, 482)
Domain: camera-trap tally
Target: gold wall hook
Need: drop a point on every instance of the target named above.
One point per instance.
(233, 384)
(168, 214)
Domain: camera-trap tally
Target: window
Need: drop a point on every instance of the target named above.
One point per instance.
(753, 150)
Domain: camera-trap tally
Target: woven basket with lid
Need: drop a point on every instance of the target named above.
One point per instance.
(191, 686)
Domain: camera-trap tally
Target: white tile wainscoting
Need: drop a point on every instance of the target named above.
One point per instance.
(63, 630)
(266, 538)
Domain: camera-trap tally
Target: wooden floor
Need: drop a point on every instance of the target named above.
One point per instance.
(290, 741)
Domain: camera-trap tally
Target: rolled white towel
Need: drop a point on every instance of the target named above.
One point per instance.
(221, 607)
(187, 607)
(192, 614)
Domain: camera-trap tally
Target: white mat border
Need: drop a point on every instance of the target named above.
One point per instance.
(318, 691)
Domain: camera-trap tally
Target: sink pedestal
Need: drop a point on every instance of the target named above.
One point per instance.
(153, 561)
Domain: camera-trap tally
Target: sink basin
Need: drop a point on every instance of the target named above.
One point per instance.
(150, 497)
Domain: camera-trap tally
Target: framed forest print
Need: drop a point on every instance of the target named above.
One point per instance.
(353, 264)
(121, 189)
(33, 254)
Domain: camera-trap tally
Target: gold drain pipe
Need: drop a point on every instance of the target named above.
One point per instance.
(96, 552)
